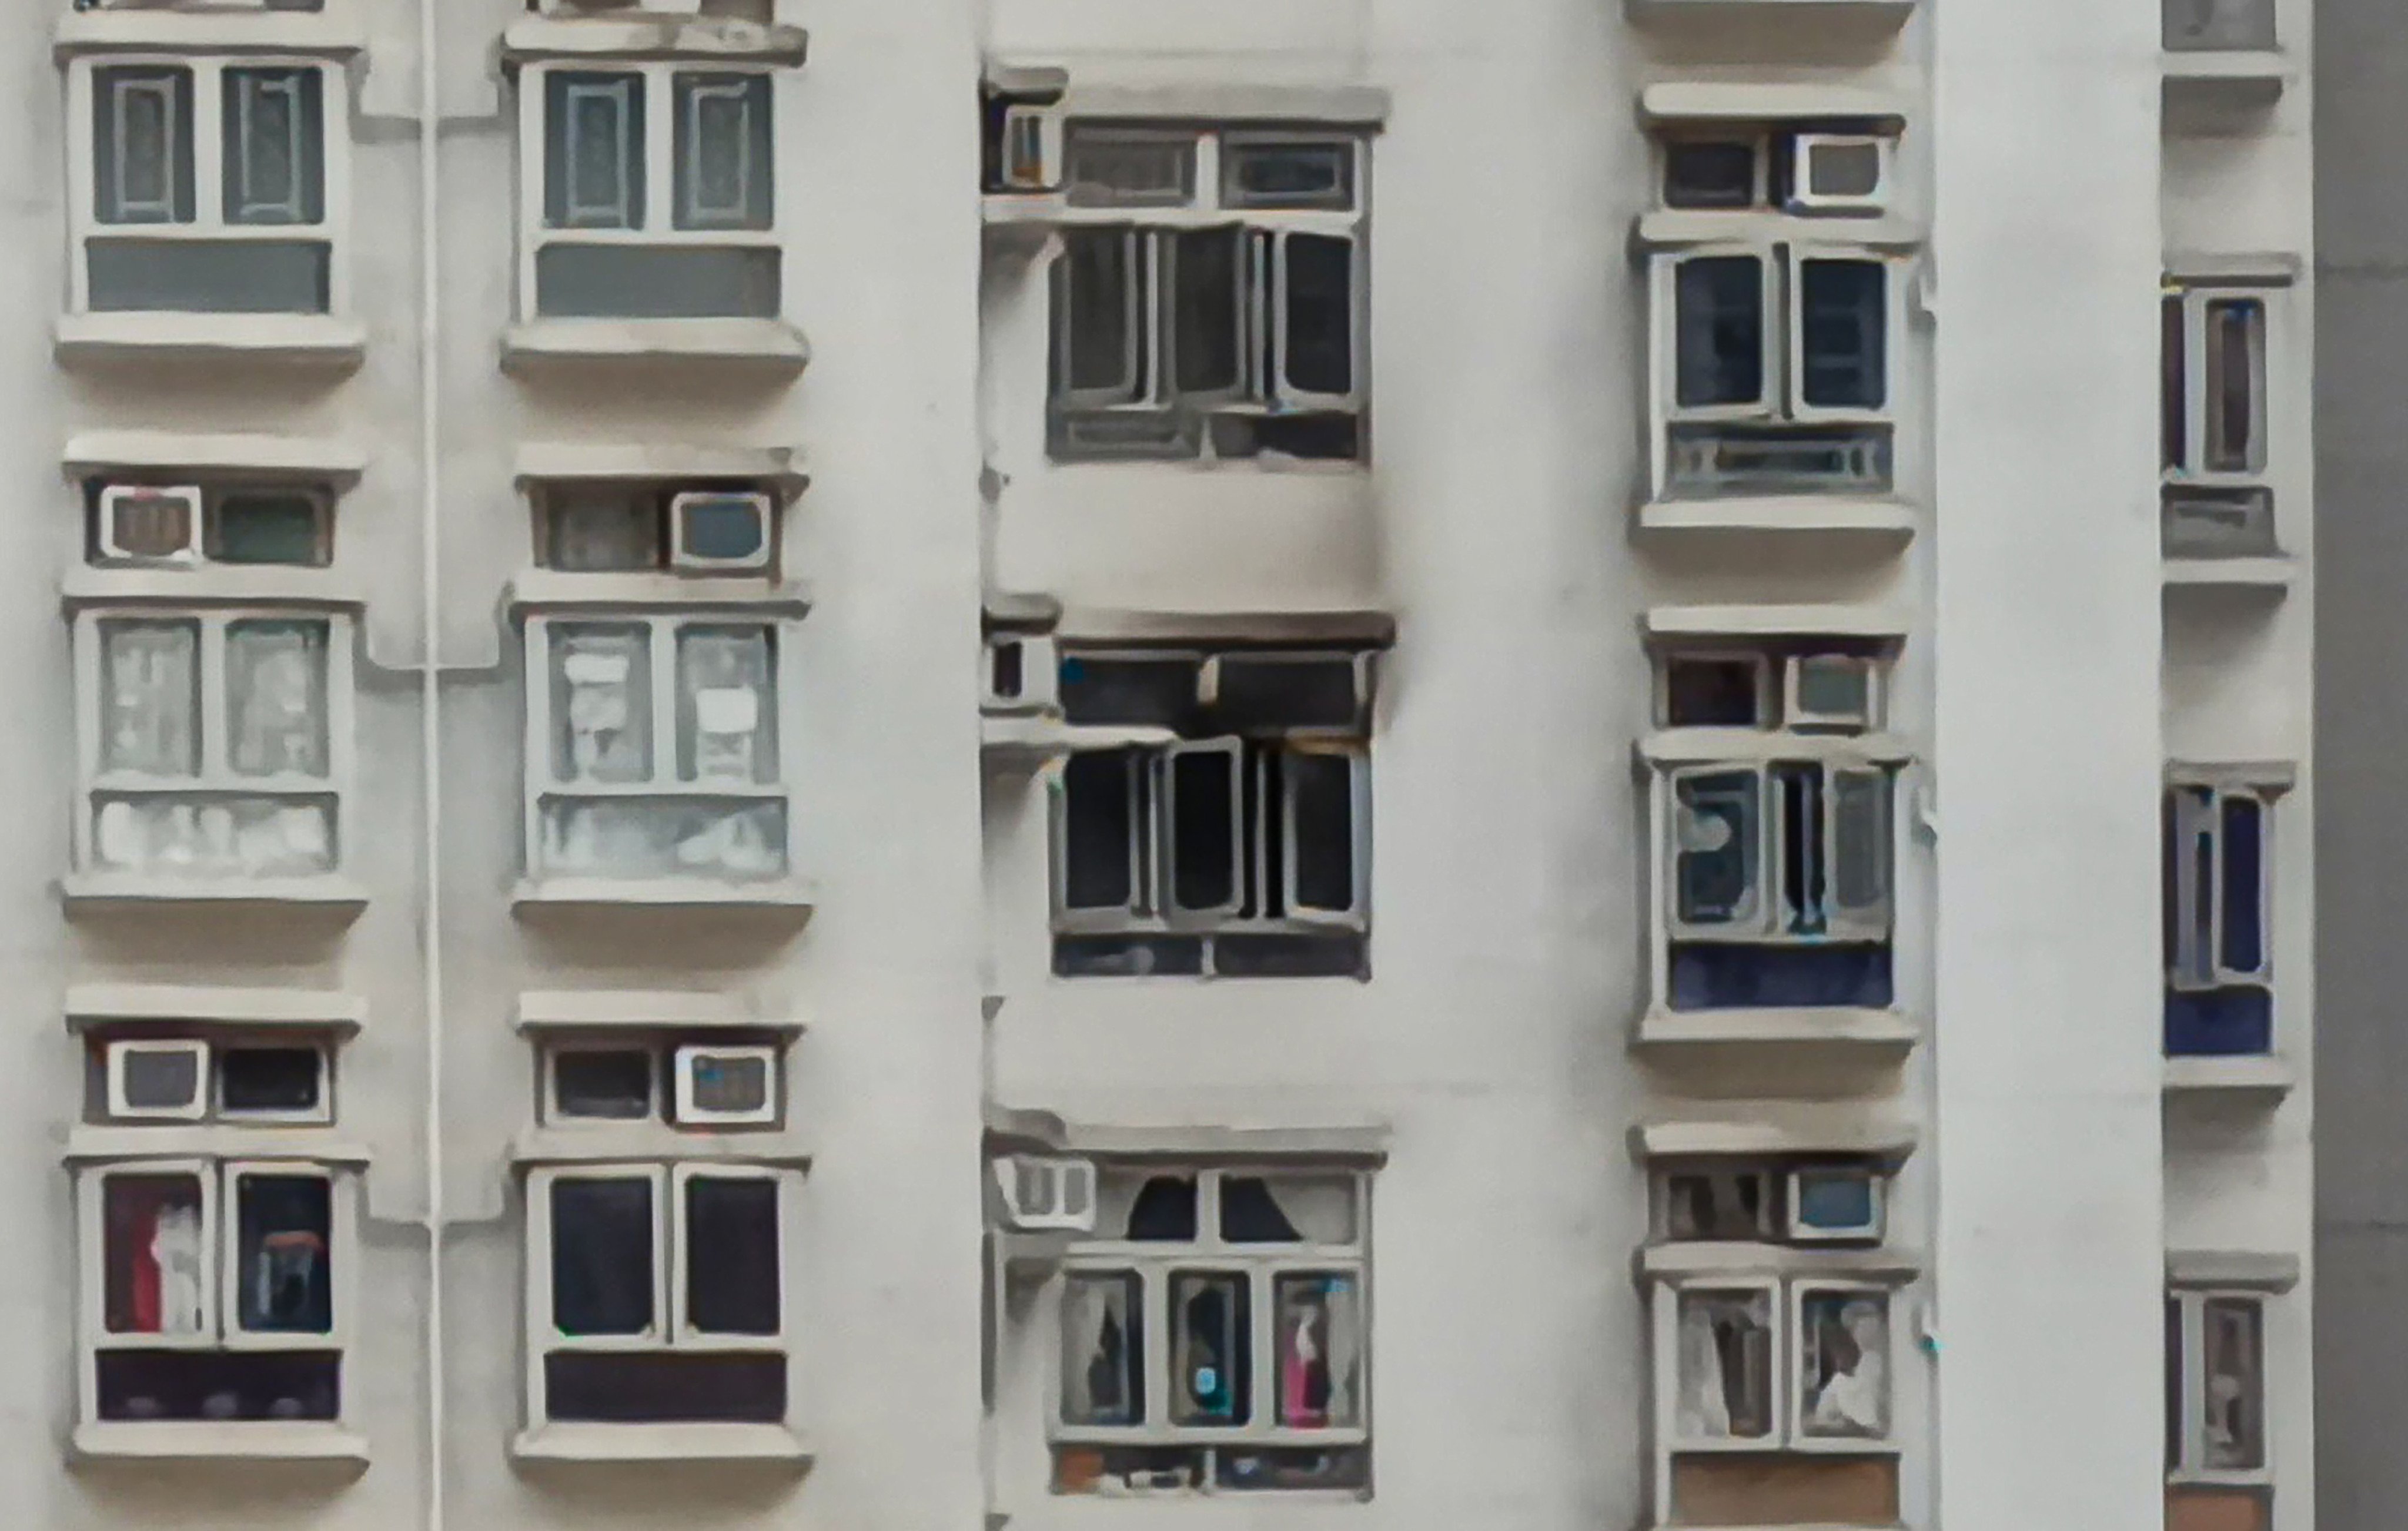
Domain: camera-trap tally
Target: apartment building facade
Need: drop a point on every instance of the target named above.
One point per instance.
(1063, 764)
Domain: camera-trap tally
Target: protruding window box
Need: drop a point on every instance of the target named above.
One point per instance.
(2219, 849)
(1811, 17)
(1876, 519)
(2223, 53)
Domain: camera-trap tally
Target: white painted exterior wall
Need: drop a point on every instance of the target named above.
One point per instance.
(1507, 349)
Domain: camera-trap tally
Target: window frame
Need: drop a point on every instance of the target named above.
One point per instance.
(208, 222)
(1842, 923)
(215, 777)
(662, 627)
(2185, 969)
(2196, 297)
(658, 97)
(1787, 1435)
(1157, 1262)
(2189, 1433)
(671, 1265)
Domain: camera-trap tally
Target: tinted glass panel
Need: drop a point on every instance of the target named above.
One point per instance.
(284, 1081)
(732, 1255)
(273, 143)
(616, 1084)
(142, 145)
(1320, 270)
(2245, 932)
(602, 1257)
(284, 1253)
(208, 276)
(1718, 323)
(1710, 174)
(1208, 316)
(1096, 823)
(633, 281)
(1844, 323)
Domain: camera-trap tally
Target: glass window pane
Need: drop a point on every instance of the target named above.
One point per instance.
(665, 836)
(602, 1259)
(276, 697)
(268, 527)
(1726, 1364)
(732, 1255)
(142, 145)
(1704, 692)
(274, 139)
(1797, 796)
(594, 150)
(1844, 333)
(2236, 363)
(1318, 1329)
(1714, 841)
(1163, 1209)
(1718, 331)
(1860, 829)
(1318, 286)
(1204, 832)
(1208, 313)
(1843, 1365)
(1717, 1204)
(1099, 317)
(271, 1081)
(1124, 168)
(724, 151)
(154, 1275)
(1097, 823)
(151, 698)
(1288, 175)
(2175, 425)
(250, 836)
(1103, 1349)
(2244, 929)
(1212, 1336)
(601, 702)
(2233, 1370)
(1836, 1201)
(2175, 1389)
(1709, 173)
(613, 1085)
(1321, 810)
(1288, 1208)
(727, 709)
(602, 528)
(284, 1253)
(160, 1079)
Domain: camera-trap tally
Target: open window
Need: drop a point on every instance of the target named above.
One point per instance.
(2219, 1463)
(2218, 895)
(2218, 499)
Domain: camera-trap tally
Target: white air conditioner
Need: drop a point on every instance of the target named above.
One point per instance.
(1030, 158)
(144, 523)
(1047, 1196)
(159, 1080)
(1840, 172)
(1831, 694)
(714, 533)
(726, 1086)
(1835, 1205)
(1018, 674)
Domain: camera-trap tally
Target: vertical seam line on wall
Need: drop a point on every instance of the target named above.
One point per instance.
(430, 741)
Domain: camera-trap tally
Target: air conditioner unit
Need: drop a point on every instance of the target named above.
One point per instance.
(1030, 158)
(1831, 694)
(1835, 1205)
(726, 1086)
(1047, 1196)
(1839, 172)
(714, 533)
(1018, 673)
(147, 524)
(159, 1080)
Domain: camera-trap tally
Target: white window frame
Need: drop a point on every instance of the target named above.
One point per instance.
(209, 167)
(2191, 1433)
(1842, 923)
(219, 1264)
(1798, 1231)
(663, 628)
(2189, 969)
(658, 85)
(1156, 1263)
(117, 1051)
(685, 1113)
(2195, 298)
(1785, 1297)
(672, 1266)
(217, 777)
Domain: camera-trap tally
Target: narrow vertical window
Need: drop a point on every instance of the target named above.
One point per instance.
(1317, 277)
(2233, 1370)
(1202, 804)
(274, 142)
(601, 700)
(142, 144)
(1843, 1365)
(1104, 357)
(1860, 841)
(276, 697)
(283, 1253)
(1098, 820)
(2174, 362)
(726, 708)
(1103, 1349)
(1320, 841)
(1211, 1349)
(1726, 1364)
(724, 151)
(603, 1257)
(594, 150)
(1718, 325)
(1209, 314)
(1318, 1330)
(2236, 377)
(733, 1262)
(2243, 830)
(1715, 836)
(1842, 333)
(151, 698)
(155, 1255)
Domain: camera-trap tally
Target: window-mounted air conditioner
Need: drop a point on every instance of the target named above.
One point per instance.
(1838, 1205)
(1047, 1196)
(1018, 674)
(159, 1080)
(147, 524)
(1831, 694)
(1030, 155)
(726, 1086)
(714, 533)
(1840, 173)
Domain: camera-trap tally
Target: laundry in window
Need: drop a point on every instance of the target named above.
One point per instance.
(1717, 1204)
(1103, 1349)
(150, 704)
(602, 699)
(1318, 1332)
(1726, 1364)
(276, 696)
(156, 1276)
(1843, 1361)
(1212, 1337)
(725, 705)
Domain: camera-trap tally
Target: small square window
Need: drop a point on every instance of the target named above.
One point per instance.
(273, 1084)
(604, 1083)
(1716, 173)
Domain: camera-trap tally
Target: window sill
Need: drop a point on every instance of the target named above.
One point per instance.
(1832, 516)
(2273, 575)
(1673, 228)
(335, 462)
(291, 339)
(656, 1142)
(1717, 746)
(679, 1009)
(2254, 1076)
(1715, 1259)
(664, 38)
(1816, 1128)
(1837, 1029)
(93, 1005)
(214, 1440)
(1844, 620)
(663, 1443)
(104, 892)
(770, 344)
(209, 583)
(1816, 13)
(1029, 740)
(326, 33)
(668, 892)
(2228, 77)
(90, 1144)
(682, 591)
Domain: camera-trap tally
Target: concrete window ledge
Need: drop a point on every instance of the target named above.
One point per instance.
(1715, 746)
(335, 32)
(209, 584)
(1029, 741)
(318, 340)
(2226, 77)
(1829, 1030)
(339, 463)
(793, 896)
(1883, 15)
(1674, 228)
(2272, 575)
(655, 38)
(770, 346)
(768, 1444)
(334, 897)
(681, 592)
(778, 467)
(656, 1143)
(1829, 517)
(249, 1441)
(2258, 1077)
(1678, 1262)
(2250, 1270)
(1771, 1128)
(90, 1004)
(90, 1143)
(649, 1009)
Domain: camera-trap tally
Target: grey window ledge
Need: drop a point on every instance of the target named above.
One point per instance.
(1719, 746)
(1835, 619)
(1675, 1262)
(540, 460)
(652, 1010)
(216, 1440)
(2258, 1076)
(770, 344)
(761, 1443)
(218, 584)
(96, 1144)
(667, 893)
(103, 892)
(1832, 516)
(654, 1143)
(1674, 228)
(1835, 1027)
(334, 32)
(1029, 740)
(294, 340)
(655, 38)
(682, 591)
(1805, 13)
(1777, 1129)
(340, 462)
(90, 1005)
(2271, 575)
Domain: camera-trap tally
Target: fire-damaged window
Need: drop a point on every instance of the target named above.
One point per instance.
(1776, 853)
(1239, 846)
(2219, 959)
(1208, 298)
